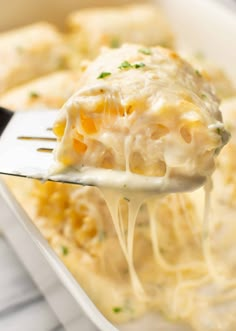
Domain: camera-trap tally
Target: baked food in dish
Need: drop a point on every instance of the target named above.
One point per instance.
(224, 87)
(50, 91)
(30, 52)
(185, 276)
(92, 28)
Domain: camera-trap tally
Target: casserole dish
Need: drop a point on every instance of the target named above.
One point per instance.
(184, 18)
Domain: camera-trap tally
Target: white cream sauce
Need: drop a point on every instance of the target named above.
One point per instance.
(108, 178)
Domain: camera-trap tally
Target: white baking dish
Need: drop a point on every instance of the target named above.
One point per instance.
(200, 25)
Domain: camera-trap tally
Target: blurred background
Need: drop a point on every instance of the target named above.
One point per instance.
(24, 11)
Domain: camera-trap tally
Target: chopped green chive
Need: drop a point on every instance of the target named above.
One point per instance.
(33, 95)
(204, 96)
(145, 51)
(125, 65)
(218, 130)
(117, 310)
(65, 250)
(127, 199)
(104, 74)
(139, 65)
(198, 73)
(115, 43)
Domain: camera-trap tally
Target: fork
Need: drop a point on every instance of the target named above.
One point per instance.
(26, 150)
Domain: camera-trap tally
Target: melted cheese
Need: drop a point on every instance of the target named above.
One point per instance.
(148, 117)
(114, 116)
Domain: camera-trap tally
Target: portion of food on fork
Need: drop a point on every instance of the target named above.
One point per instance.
(144, 111)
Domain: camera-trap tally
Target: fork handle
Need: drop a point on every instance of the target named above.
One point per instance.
(5, 116)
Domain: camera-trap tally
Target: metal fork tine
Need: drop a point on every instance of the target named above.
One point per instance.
(33, 158)
(22, 141)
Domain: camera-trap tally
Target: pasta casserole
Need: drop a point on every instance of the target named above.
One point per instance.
(130, 105)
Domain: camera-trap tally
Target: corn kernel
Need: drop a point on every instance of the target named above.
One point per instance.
(79, 146)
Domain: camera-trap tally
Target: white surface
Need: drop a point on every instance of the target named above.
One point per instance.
(207, 26)
(22, 306)
(33, 164)
(30, 162)
(35, 253)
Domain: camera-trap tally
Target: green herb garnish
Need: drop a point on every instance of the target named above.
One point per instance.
(146, 51)
(115, 43)
(117, 310)
(104, 74)
(127, 199)
(204, 96)
(65, 250)
(198, 73)
(125, 65)
(139, 65)
(33, 95)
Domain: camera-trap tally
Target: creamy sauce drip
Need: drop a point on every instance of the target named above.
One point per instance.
(134, 201)
(126, 239)
(215, 272)
(116, 179)
(156, 247)
(188, 278)
(183, 308)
